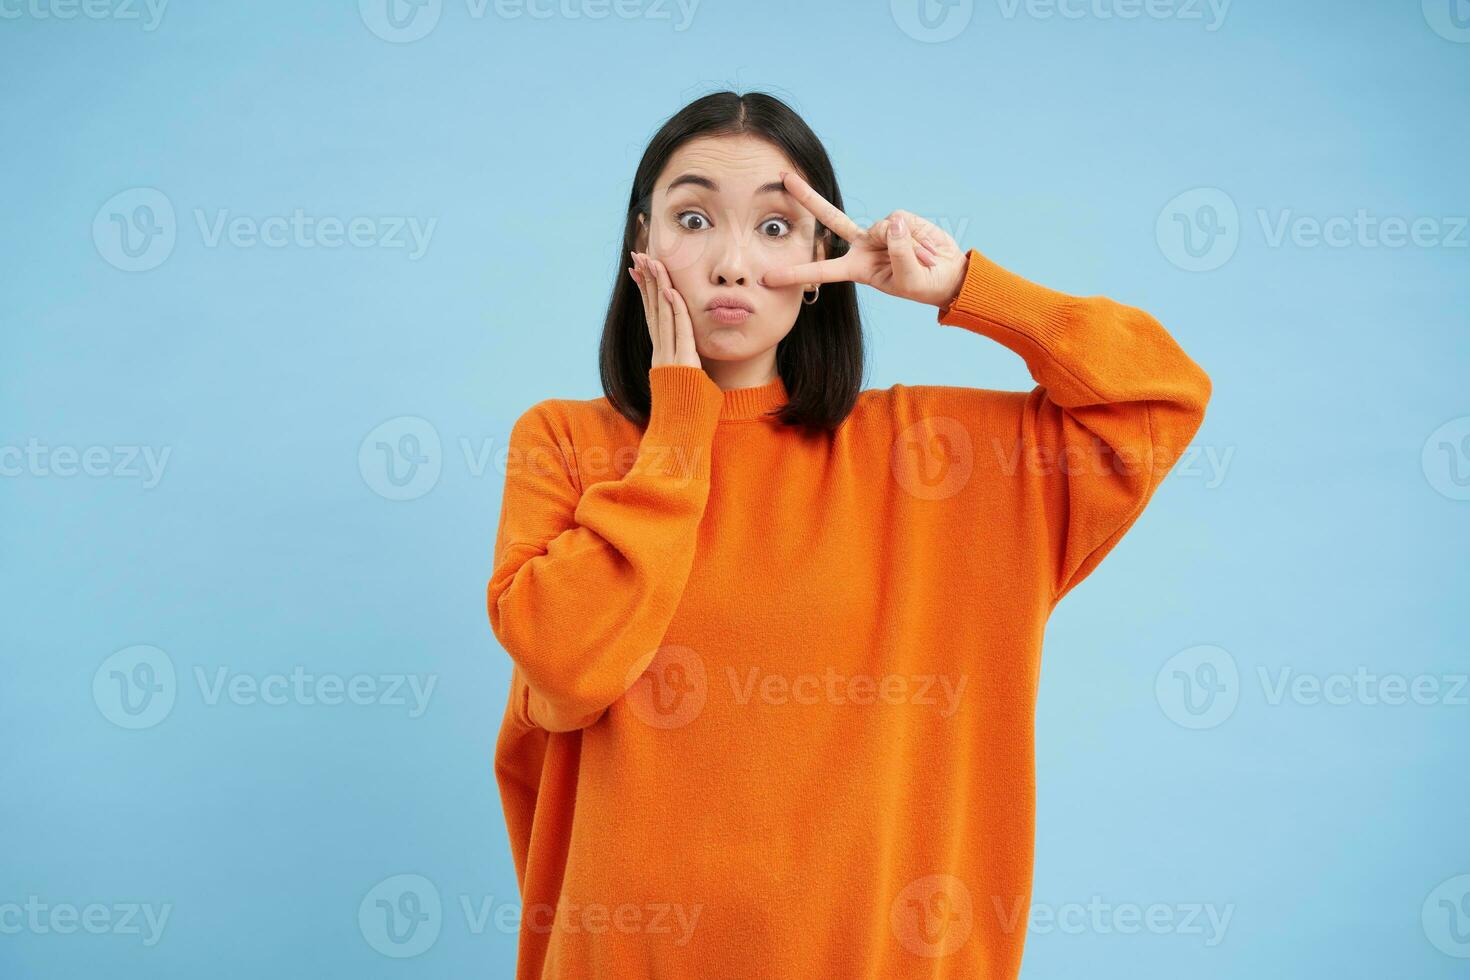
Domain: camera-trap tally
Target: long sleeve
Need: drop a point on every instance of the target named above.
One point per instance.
(1116, 403)
(586, 581)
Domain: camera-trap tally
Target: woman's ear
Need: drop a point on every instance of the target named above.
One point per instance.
(640, 237)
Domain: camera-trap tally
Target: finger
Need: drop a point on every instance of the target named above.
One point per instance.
(827, 213)
(665, 307)
(641, 278)
(828, 270)
(650, 291)
(919, 227)
(901, 254)
(683, 325)
(928, 254)
(650, 309)
(919, 230)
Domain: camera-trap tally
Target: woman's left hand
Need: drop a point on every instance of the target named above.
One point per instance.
(902, 255)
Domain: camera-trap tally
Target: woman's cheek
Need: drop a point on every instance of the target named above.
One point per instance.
(679, 277)
(681, 252)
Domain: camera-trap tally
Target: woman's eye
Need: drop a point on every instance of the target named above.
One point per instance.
(778, 223)
(770, 228)
(690, 214)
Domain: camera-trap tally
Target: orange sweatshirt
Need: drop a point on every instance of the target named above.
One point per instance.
(772, 694)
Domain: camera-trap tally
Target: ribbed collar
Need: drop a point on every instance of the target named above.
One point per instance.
(752, 403)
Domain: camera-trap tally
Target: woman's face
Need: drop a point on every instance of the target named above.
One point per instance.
(720, 218)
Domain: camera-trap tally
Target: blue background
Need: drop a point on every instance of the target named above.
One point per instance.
(1322, 545)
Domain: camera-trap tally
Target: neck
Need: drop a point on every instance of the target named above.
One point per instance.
(752, 388)
(751, 373)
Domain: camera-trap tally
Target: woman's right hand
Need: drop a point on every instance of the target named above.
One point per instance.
(669, 326)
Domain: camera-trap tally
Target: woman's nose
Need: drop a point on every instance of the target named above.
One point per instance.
(730, 264)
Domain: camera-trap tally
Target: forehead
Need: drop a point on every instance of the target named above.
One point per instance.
(738, 164)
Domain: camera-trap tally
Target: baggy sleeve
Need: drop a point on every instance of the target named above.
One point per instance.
(1116, 403)
(585, 583)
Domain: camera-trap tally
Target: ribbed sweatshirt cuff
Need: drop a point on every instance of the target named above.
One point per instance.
(994, 296)
(684, 411)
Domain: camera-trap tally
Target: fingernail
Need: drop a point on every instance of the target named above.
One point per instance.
(896, 228)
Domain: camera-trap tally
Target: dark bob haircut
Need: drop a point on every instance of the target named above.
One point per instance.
(821, 359)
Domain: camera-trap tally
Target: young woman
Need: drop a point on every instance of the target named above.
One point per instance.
(775, 639)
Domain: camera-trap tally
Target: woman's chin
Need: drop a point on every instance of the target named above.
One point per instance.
(727, 344)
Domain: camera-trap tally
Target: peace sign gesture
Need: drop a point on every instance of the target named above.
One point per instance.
(902, 254)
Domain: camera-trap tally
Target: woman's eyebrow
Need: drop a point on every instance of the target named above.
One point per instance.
(697, 180)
